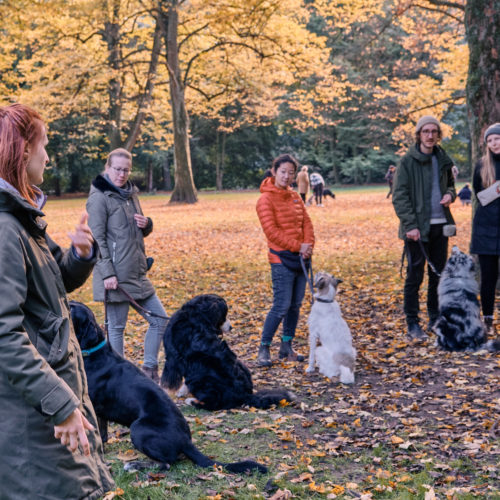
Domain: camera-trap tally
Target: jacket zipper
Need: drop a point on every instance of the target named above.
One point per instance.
(114, 251)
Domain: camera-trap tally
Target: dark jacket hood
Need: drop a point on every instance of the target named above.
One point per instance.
(103, 185)
(27, 214)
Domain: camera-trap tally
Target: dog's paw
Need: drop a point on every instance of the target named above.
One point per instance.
(310, 370)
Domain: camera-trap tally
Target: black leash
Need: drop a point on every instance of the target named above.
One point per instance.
(424, 253)
(133, 303)
(309, 277)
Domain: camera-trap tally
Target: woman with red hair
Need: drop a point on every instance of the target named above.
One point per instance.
(49, 444)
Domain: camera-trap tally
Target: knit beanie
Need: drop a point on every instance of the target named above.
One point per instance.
(492, 129)
(425, 120)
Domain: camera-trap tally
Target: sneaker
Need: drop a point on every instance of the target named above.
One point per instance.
(415, 331)
(286, 352)
(264, 356)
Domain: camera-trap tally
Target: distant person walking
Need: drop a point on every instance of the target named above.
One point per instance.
(317, 184)
(465, 195)
(289, 232)
(424, 189)
(389, 177)
(119, 226)
(303, 183)
(485, 241)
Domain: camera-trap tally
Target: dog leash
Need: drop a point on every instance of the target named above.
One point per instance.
(308, 278)
(424, 253)
(133, 303)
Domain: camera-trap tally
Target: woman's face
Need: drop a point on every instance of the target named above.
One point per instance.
(119, 170)
(284, 175)
(37, 160)
(493, 143)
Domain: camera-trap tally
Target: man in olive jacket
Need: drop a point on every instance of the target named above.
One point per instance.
(424, 188)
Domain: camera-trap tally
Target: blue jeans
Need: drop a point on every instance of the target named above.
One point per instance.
(288, 291)
(117, 320)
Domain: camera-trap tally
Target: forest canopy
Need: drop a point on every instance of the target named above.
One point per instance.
(208, 92)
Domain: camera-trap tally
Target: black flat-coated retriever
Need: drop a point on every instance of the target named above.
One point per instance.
(121, 393)
(195, 352)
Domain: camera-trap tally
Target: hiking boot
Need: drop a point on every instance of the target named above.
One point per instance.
(415, 331)
(264, 356)
(152, 373)
(489, 327)
(431, 324)
(286, 352)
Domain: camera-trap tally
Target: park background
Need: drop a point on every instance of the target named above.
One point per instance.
(204, 94)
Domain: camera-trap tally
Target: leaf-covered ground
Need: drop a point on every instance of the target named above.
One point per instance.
(418, 423)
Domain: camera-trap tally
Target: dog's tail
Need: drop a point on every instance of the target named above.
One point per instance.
(198, 458)
(266, 398)
(493, 345)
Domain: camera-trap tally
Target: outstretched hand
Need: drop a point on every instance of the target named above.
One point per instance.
(73, 430)
(82, 239)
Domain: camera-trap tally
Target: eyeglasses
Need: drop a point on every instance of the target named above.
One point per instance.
(124, 171)
(429, 132)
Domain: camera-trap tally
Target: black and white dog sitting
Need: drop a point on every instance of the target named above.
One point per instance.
(330, 341)
(121, 393)
(459, 326)
(196, 352)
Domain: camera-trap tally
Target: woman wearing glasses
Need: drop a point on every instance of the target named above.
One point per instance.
(119, 227)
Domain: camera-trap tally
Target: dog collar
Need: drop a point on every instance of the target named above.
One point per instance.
(325, 301)
(87, 352)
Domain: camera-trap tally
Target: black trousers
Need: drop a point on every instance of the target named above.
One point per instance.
(318, 193)
(489, 277)
(437, 251)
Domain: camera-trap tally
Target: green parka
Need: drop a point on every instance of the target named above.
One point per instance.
(120, 240)
(411, 196)
(42, 376)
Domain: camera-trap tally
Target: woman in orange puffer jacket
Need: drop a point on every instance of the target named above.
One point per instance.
(287, 227)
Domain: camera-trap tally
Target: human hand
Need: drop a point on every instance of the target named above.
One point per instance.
(446, 201)
(306, 250)
(414, 235)
(111, 283)
(141, 221)
(82, 239)
(72, 430)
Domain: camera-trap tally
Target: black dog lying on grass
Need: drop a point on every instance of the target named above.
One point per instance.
(121, 393)
(195, 351)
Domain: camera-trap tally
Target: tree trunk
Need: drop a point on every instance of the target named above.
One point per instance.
(482, 25)
(220, 157)
(333, 141)
(184, 190)
(147, 96)
(167, 178)
(57, 177)
(111, 35)
(150, 176)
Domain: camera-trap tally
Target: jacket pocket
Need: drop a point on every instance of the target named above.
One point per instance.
(52, 341)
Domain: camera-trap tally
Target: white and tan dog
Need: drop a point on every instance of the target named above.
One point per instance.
(335, 356)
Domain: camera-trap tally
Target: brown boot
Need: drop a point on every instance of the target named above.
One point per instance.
(286, 352)
(152, 373)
